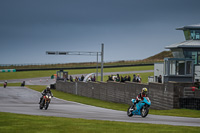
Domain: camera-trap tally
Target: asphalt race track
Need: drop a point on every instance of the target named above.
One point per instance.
(25, 101)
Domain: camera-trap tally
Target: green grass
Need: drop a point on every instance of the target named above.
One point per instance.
(10, 123)
(35, 74)
(116, 106)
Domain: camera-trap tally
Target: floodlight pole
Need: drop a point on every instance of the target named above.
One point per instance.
(97, 68)
(102, 53)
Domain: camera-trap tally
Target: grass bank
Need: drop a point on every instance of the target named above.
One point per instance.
(10, 123)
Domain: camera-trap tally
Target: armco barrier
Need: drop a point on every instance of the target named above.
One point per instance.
(163, 96)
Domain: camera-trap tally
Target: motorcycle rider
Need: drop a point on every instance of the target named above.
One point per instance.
(5, 83)
(140, 96)
(44, 92)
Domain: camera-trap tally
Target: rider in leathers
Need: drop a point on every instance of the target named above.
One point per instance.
(140, 96)
(44, 92)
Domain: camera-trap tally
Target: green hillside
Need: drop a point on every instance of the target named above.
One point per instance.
(160, 56)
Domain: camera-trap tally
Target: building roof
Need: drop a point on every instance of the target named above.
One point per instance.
(185, 44)
(194, 26)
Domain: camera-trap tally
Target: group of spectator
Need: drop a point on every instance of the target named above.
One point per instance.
(91, 78)
(125, 78)
(71, 79)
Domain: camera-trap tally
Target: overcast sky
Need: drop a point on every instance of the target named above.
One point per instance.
(129, 29)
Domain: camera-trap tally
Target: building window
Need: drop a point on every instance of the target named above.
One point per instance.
(189, 67)
(172, 67)
(194, 34)
(195, 55)
(180, 68)
(177, 67)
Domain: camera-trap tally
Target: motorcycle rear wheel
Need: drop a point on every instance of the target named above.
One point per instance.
(42, 104)
(129, 112)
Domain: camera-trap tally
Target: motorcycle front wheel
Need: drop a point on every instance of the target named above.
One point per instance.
(129, 111)
(144, 111)
(40, 107)
(46, 105)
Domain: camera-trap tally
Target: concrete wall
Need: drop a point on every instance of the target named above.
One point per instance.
(162, 96)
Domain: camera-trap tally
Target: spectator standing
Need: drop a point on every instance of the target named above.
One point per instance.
(94, 79)
(76, 79)
(160, 79)
(71, 78)
(129, 78)
(90, 78)
(118, 78)
(138, 78)
(134, 78)
(82, 78)
(110, 78)
(122, 79)
(125, 78)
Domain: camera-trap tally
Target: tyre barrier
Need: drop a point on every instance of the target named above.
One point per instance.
(190, 103)
(8, 70)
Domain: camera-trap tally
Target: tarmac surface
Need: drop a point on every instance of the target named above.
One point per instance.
(22, 100)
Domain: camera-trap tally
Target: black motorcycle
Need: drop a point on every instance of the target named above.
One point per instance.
(45, 101)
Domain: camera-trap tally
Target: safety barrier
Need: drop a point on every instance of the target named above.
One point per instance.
(8, 70)
(190, 103)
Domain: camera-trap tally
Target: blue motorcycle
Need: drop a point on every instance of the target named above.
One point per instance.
(140, 108)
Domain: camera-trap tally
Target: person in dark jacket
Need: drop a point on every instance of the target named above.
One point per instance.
(44, 92)
(134, 78)
(160, 79)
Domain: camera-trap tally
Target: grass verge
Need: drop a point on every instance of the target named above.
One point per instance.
(10, 123)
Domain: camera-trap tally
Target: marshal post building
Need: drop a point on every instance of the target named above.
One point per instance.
(185, 64)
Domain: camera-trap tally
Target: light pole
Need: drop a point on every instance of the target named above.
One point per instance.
(102, 54)
(83, 53)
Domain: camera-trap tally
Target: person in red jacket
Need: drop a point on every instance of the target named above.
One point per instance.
(141, 96)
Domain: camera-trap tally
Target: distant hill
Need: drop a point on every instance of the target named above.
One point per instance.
(160, 56)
